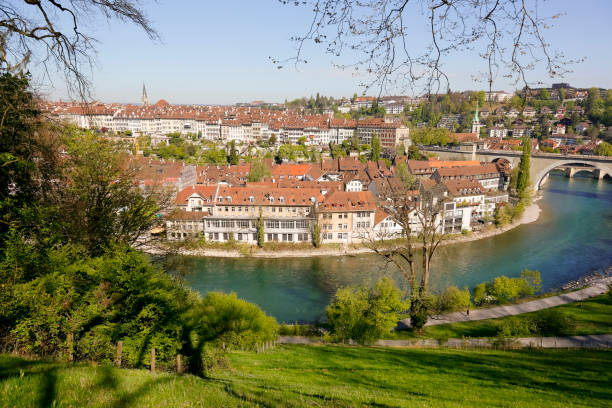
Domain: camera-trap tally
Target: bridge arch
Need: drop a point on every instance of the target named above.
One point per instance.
(538, 175)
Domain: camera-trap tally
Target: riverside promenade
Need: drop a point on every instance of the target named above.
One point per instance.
(596, 288)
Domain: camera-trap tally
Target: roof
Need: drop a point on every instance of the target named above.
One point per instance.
(206, 193)
(255, 195)
(467, 171)
(348, 201)
(460, 187)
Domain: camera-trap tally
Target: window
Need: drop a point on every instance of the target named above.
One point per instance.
(233, 209)
(281, 200)
(339, 236)
(210, 236)
(239, 237)
(251, 199)
(271, 200)
(339, 226)
(287, 224)
(216, 236)
(345, 226)
(225, 236)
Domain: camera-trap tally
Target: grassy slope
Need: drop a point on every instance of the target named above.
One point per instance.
(330, 376)
(592, 316)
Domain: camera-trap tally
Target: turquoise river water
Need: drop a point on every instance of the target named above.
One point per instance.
(572, 237)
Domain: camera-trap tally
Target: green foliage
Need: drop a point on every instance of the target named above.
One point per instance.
(452, 299)
(522, 183)
(214, 156)
(413, 153)
(431, 136)
(375, 152)
(603, 149)
(233, 158)
(316, 235)
(504, 289)
(259, 170)
(515, 327)
(365, 314)
(260, 231)
(237, 323)
(404, 174)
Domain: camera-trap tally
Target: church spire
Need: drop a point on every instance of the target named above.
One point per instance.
(476, 126)
(145, 98)
(476, 119)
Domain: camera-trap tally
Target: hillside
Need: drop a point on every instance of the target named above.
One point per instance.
(335, 376)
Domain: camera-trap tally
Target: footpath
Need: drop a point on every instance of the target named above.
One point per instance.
(594, 341)
(597, 287)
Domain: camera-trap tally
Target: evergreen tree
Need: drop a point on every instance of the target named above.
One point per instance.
(375, 153)
(233, 157)
(523, 176)
(260, 230)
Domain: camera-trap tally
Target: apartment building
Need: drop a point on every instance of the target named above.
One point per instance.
(346, 217)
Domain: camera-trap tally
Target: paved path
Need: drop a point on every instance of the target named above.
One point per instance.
(593, 341)
(596, 288)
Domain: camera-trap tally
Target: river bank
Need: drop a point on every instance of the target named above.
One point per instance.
(531, 214)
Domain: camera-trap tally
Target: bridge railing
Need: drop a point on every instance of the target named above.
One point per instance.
(518, 153)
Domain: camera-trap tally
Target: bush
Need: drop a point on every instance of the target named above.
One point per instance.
(452, 300)
(553, 322)
(516, 327)
(237, 323)
(365, 314)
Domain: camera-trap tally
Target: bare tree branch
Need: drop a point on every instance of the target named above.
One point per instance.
(378, 36)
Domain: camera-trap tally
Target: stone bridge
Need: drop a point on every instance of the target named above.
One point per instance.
(541, 163)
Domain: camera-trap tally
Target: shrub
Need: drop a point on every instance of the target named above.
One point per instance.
(365, 314)
(516, 327)
(553, 322)
(226, 319)
(452, 300)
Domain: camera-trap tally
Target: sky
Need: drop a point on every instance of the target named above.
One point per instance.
(217, 52)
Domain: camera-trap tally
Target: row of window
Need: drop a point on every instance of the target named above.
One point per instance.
(249, 209)
(287, 237)
(275, 224)
(365, 224)
(340, 235)
(331, 226)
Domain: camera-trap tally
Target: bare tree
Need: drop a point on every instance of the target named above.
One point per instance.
(53, 33)
(379, 36)
(419, 215)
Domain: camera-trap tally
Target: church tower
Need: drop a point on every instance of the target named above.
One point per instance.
(476, 122)
(145, 98)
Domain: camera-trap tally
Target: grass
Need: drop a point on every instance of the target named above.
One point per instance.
(329, 376)
(591, 316)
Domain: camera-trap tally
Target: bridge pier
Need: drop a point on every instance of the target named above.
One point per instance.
(598, 174)
(570, 171)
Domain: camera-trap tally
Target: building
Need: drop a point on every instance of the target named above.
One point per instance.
(346, 217)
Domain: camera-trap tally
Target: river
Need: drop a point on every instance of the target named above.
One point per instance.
(572, 237)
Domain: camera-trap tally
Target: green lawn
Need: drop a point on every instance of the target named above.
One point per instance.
(329, 376)
(591, 316)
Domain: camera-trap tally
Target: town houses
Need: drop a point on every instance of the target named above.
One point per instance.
(343, 200)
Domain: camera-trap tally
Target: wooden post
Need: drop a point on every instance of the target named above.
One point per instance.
(179, 365)
(69, 341)
(153, 360)
(119, 352)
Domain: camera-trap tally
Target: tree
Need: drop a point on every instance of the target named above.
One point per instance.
(544, 95)
(54, 34)
(259, 170)
(414, 153)
(375, 152)
(420, 222)
(377, 33)
(99, 203)
(522, 183)
(452, 300)
(603, 149)
(365, 314)
(233, 157)
(260, 230)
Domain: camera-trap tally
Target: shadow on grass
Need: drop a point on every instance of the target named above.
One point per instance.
(45, 375)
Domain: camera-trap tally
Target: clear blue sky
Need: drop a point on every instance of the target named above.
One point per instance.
(216, 52)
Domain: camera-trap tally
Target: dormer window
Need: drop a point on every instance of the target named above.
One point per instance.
(281, 200)
(271, 200)
(220, 199)
(229, 199)
(251, 199)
